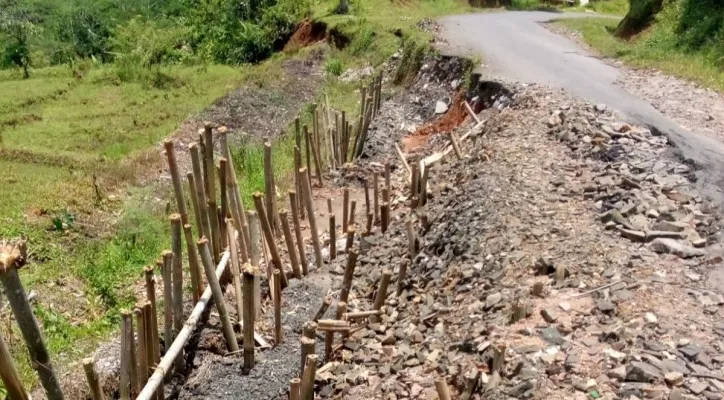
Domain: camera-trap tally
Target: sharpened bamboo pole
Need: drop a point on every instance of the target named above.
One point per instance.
(312, 222)
(197, 284)
(91, 375)
(350, 238)
(238, 210)
(455, 145)
(154, 346)
(332, 238)
(442, 390)
(270, 190)
(148, 332)
(382, 289)
(224, 195)
(11, 378)
(345, 209)
(154, 383)
(348, 275)
(235, 269)
(375, 192)
(204, 229)
(143, 347)
(216, 291)
(126, 349)
(215, 241)
(194, 200)
(277, 308)
(315, 157)
(294, 386)
(167, 298)
(254, 257)
(352, 211)
(248, 317)
(289, 239)
(310, 371)
(268, 235)
(323, 308)
(176, 179)
(298, 232)
(177, 282)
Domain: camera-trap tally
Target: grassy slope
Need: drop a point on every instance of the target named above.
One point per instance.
(61, 125)
(652, 49)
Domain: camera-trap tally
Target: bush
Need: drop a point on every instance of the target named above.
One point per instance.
(86, 33)
(334, 67)
(524, 4)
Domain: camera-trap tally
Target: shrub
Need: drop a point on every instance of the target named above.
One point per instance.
(334, 67)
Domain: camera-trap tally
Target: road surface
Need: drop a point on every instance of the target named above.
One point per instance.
(516, 46)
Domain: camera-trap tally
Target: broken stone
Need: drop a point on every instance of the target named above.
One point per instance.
(697, 387)
(674, 378)
(633, 235)
(565, 306)
(689, 351)
(638, 371)
(549, 315)
(492, 300)
(605, 306)
(552, 335)
(616, 355)
(618, 373)
(650, 318)
(671, 246)
(441, 107)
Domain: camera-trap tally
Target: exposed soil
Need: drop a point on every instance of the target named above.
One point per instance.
(308, 32)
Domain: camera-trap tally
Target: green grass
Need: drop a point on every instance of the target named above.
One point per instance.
(652, 49)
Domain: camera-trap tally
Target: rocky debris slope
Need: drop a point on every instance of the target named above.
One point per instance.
(568, 242)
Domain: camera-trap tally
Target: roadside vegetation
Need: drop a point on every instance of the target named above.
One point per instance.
(89, 91)
(685, 38)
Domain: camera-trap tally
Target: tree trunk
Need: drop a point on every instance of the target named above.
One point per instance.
(641, 13)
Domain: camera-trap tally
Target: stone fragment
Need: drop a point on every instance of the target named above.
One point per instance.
(638, 371)
(616, 355)
(441, 107)
(618, 373)
(492, 300)
(565, 306)
(633, 235)
(605, 306)
(671, 246)
(674, 378)
(549, 315)
(676, 395)
(651, 235)
(552, 335)
(650, 318)
(697, 387)
(689, 351)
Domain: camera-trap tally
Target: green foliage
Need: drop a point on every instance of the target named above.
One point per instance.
(334, 67)
(17, 25)
(363, 40)
(524, 4)
(86, 33)
(413, 53)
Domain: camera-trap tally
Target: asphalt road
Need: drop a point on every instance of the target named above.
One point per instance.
(515, 46)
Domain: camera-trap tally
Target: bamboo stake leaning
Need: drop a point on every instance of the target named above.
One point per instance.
(11, 378)
(332, 238)
(177, 282)
(283, 216)
(315, 157)
(270, 190)
(248, 318)
(197, 284)
(210, 181)
(155, 342)
(143, 347)
(176, 179)
(126, 350)
(277, 308)
(323, 308)
(382, 290)
(224, 195)
(310, 371)
(204, 229)
(348, 275)
(297, 167)
(307, 152)
(153, 384)
(12, 258)
(167, 297)
(194, 200)
(312, 222)
(91, 375)
(455, 145)
(368, 206)
(254, 258)
(238, 204)
(471, 113)
(298, 232)
(350, 238)
(216, 291)
(235, 269)
(269, 236)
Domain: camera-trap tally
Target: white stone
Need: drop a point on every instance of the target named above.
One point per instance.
(650, 318)
(441, 107)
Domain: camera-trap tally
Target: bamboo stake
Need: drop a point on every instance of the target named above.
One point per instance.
(254, 256)
(298, 166)
(289, 239)
(238, 209)
(317, 162)
(360, 314)
(329, 338)
(151, 297)
(167, 298)
(309, 329)
(229, 335)
(176, 179)
(270, 190)
(348, 275)
(307, 152)
(248, 317)
(268, 235)
(197, 284)
(308, 346)
(323, 308)
(294, 386)
(442, 390)
(204, 229)
(148, 333)
(177, 282)
(127, 367)
(423, 183)
(345, 209)
(11, 378)
(333, 325)
(455, 145)
(127, 319)
(235, 269)
(223, 190)
(332, 238)
(414, 183)
(211, 192)
(90, 374)
(277, 308)
(298, 232)
(312, 222)
(329, 205)
(385, 214)
(39, 357)
(388, 183)
(375, 192)
(194, 200)
(310, 372)
(352, 209)
(143, 347)
(471, 112)
(350, 238)
(382, 289)
(368, 205)
(153, 384)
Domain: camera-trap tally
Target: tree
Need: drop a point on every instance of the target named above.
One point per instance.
(640, 14)
(19, 25)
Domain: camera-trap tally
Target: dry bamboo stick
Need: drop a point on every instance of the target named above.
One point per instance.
(289, 239)
(370, 220)
(345, 209)
(331, 325)
(414, 183)
(329, 205)
(277, 308)
(268, 235)
(270, 190)
(323, 308)
(197, 284)
(360, 314)
(312, 222)
(148, 333)
(167, 298)
(345, 137)
(254, 257)
(177, 282)
(315, 157)
(194, 200)
(309, 329)
(455, 145)
(151, 297)
(382, 290)
(294, 386)
(310, 371)
(248, 317)
(368, 205)
(404, 161)
(388, 183)
(411, 240)
(238, 209)
(235, 269)
(298, 233)
(126, 349)
(153, 385)
(11, 378)
(423, 183)
(352, 210)
(385, 214)
(210, 181)
(229, 335)
(224, 194)
(308, 346)
(143, 347)
(90, 374)
(204, 229)
(332, 238)
(307, 152)
(375, 192)
(348, 275)
(471, 112)
(442, 390)
(176, 179)
(350, 238)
